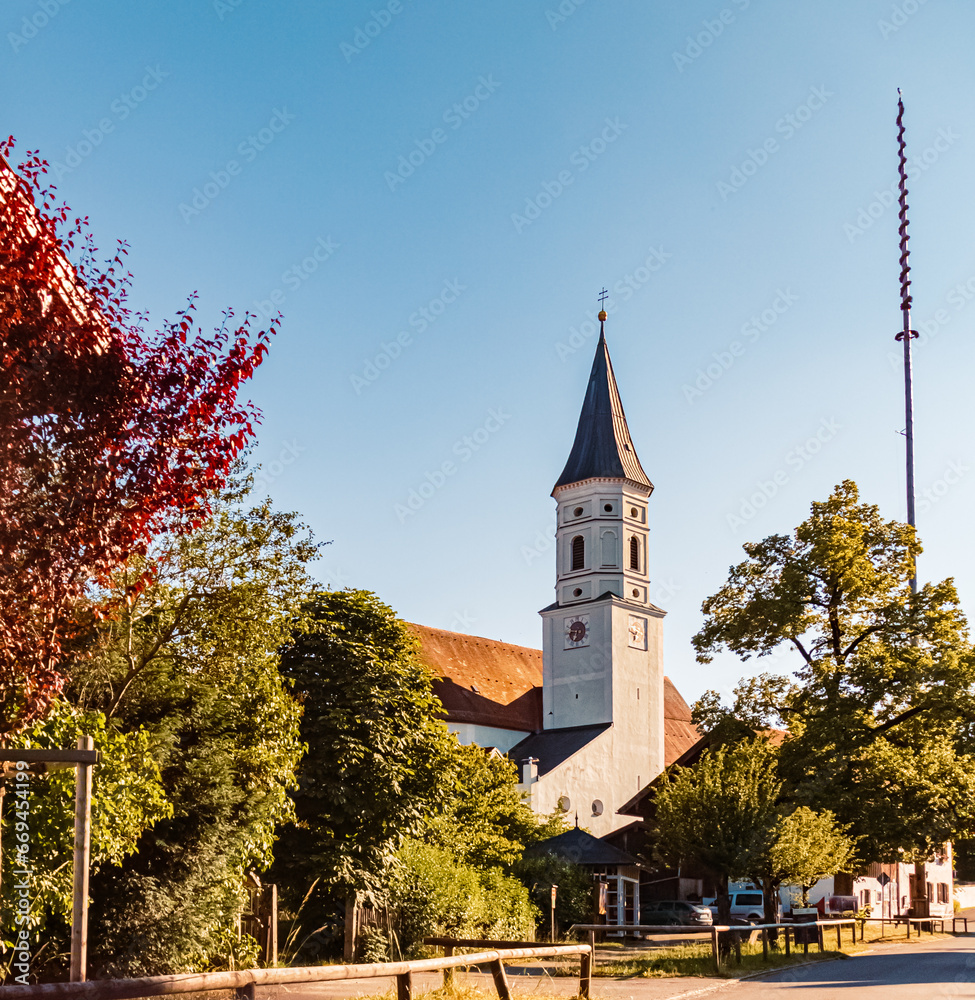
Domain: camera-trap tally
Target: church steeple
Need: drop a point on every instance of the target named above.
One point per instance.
(603, 448)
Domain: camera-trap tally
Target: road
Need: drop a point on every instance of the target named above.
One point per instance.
(944, 968)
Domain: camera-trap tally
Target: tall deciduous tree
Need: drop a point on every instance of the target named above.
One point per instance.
(719, 812)
(801, 848)
(376, 751)
(109, 434)
(189, 664)
(886, 679)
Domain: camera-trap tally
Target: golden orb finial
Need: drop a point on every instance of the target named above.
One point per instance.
(602, 315)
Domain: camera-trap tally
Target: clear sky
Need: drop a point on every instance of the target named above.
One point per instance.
(434, 194)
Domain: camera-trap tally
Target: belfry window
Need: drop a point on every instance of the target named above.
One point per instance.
(634, 552)
(578, 552)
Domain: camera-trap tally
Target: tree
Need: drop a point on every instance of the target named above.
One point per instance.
(109, 435)
(189, 665)
(802, 847)
(886, 678)
(479, 814)
(719, 812)
(375, 759)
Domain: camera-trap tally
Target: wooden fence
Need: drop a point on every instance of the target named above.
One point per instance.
(245, 982)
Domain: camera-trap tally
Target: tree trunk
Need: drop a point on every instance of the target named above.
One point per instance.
(724, 915)
(770, 895)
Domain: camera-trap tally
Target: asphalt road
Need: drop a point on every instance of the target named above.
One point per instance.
(943, 968)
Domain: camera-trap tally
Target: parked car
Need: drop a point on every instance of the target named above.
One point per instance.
(676, 912)
(746, 904)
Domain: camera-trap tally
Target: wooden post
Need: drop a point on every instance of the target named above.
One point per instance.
(819, 928)
(839, 940)
(764, 944)
(787, 951)
(585, 974)
(404, 986)
(248, 992)
(908, 922)
(272, 949)
(500, 980)
(737, 939)
(448, 974)
(714, 949)
(348, 950)
(82, 856)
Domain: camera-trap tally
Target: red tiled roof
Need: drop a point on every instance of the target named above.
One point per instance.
(485, 682)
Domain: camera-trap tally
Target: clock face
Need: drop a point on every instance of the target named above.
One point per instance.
(577, 631)
(638, 632)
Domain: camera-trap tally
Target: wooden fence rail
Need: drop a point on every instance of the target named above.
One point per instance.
(246, 981)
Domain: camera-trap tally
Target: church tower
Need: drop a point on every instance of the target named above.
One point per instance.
(602, 638)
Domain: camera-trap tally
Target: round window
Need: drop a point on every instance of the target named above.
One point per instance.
(597, 807)
(564, 803)
(608, 507)
(577, 592)
(636, 593)
(577, 512)
(634, 512)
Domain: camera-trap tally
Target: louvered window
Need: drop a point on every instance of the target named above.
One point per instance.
(634, 552)
(578, 552)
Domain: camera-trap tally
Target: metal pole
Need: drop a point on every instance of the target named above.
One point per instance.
(82, 856)
(906, 334)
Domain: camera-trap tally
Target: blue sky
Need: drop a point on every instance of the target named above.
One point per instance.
(434, 194)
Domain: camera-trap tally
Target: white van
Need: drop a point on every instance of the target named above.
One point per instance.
(746, 904)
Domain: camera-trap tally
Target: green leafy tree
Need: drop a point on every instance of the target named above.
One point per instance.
(480, 815)
(884, 675)
(127, 798)
(720, 812)
(802, 847)
(189, 665)
(376, 754)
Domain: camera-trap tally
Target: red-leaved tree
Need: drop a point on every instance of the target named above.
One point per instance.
(109, 434)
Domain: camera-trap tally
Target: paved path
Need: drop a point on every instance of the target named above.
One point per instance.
(944, 968)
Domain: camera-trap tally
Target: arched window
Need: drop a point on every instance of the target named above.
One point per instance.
(578, 552)
(634, 552)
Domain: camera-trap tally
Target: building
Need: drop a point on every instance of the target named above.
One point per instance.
(591, 718)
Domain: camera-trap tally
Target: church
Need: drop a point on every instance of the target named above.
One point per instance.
(590, 719)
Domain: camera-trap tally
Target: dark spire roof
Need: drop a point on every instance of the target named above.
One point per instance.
(603, 448)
